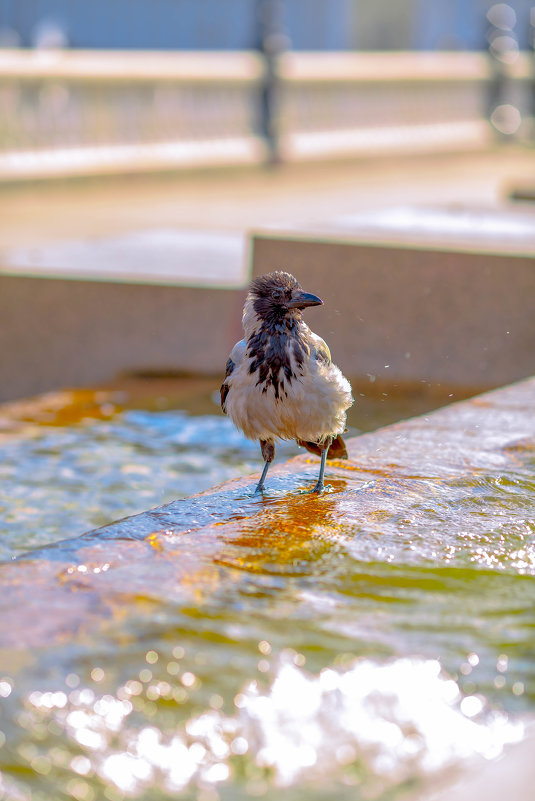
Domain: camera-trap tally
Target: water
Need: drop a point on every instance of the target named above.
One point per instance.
(57, 482)
(78, 460)
(280, 647)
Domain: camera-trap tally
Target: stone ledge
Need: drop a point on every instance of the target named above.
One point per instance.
(185, 548)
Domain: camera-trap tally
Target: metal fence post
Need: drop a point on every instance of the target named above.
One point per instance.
(271, 42)
(532, 81)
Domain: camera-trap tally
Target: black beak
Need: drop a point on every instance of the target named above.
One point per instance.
(300, 300)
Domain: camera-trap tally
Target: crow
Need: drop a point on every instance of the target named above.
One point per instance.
(280, 382)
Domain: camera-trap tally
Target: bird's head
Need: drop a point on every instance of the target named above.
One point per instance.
(277, 295)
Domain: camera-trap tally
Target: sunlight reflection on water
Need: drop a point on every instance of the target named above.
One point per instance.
(373, 724)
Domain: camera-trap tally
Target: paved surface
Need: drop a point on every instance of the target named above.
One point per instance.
(238, 200)
(507, 228)
(189, 257)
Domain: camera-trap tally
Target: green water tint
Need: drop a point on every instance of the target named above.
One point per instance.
(351, 646)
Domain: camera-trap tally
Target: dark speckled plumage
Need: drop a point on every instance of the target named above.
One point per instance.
(271, 346)
(270, 350)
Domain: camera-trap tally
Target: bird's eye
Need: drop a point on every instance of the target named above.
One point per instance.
(276, 294)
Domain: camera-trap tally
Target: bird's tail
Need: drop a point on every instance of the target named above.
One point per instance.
(337, 449)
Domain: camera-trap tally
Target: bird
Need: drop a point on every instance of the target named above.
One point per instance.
(280, 382)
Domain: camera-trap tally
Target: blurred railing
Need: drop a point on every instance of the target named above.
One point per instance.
(76, 112)
(82, 111)
(339, 103)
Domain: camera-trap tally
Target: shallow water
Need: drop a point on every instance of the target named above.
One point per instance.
(57, 482)
(333, 655)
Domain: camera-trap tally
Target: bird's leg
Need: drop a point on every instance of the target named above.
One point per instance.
(320, 486)
(260, 485)
(268, 452)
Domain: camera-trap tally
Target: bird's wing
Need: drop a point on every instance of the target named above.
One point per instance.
(236, 355)
(224, 386)
(320, 349)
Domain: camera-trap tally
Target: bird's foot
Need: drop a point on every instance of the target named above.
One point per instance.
(320, 488)
(259, 487)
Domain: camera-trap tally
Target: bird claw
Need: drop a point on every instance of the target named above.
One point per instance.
(319, 489)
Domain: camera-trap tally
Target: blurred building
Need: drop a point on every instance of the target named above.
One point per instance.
(232, 24)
